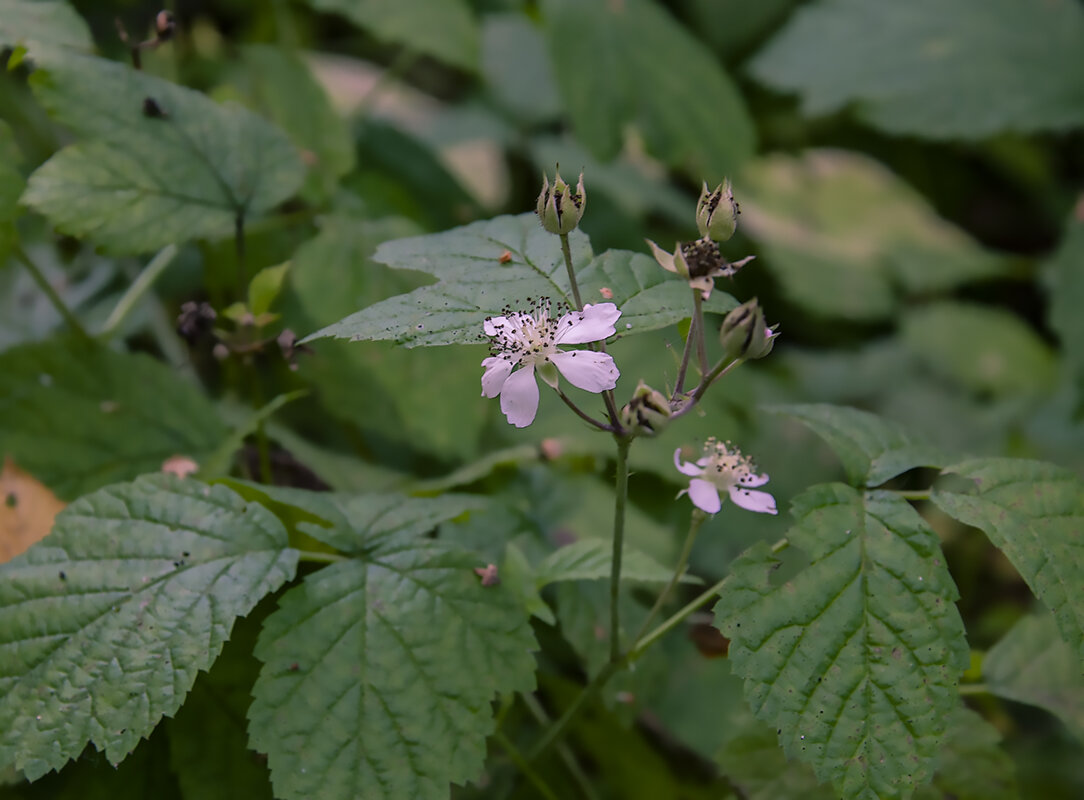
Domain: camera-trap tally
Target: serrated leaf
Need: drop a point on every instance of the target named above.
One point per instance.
(1063, 279)
(140, 181)
(753, 763)
(590, 559)
(475, 284)
(78, 416)
(855, 659)
(28, 23)
(970, 69)
(847, 238)
(632, 62)
(871, 448)
(378, 674)
(1032, 664)
(1034, 513)
(986, 350)
(106, 622)
(971, 765)
(444, 29)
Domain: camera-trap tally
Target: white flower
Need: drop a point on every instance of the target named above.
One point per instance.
(530, 340)
(724, 468)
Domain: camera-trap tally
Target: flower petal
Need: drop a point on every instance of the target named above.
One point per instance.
(751, 480)
(586, 369)
(595, 322)
(497, 372)
(686, 467)
(493, 325)
(519, 397)
(705, 284)
(666, 260)
(705, 496)
(752, 500)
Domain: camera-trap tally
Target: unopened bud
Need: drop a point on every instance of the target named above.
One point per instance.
(717, 213)
(745, 334)
(164, 26)
(647, 412)
(560, 207)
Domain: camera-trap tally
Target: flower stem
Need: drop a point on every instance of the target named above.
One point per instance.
(974, 688)
(679, 385)
(695, 522)
(646, 642)
(566, 251)
(558, 729)
(563, 752)
(317, 557)
(621, 494)
(139, 287)
(916, 494)
(50, 292)
(602, 426)
(701, 347)
(525, 767)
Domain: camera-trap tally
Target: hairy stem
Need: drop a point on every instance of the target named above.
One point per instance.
(566, 251)
(621, 494)
(679, 384)
(671, 622)
(701, 346)
(602, 426)
(50, 292)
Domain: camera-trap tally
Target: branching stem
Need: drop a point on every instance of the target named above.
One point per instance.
(50, 292)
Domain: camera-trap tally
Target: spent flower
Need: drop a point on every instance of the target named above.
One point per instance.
(723, 468)
(530, 339)
(699, 262)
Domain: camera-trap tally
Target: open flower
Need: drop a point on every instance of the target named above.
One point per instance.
(530, 339)
(699, 262)
(724, 468)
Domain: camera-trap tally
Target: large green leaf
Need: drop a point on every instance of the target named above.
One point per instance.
(846, 238)
(1034, 513)
(444, 29)
(78, 416)
(871, 448)
(631, 62)
(1064, 280)
(590, 559)
(966, 69)
(140, 181)
(11, 186)
(27, 23)
(970, 764)
(1032, 664)
(475, 283)
(986, 350)
(379, 673)
(106, 622)
(855, 659)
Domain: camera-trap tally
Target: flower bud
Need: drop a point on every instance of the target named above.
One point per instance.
(164, 26)
(560, 206)
(647, 412)
(744, 333)
(717, 213)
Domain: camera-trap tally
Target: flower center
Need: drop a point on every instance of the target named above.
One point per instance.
(727, 467)
(526, 337)
(702, 256)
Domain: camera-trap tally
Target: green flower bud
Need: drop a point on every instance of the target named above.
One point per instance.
(560, 206)
(745, 334)
(647, 412)
(717, 213)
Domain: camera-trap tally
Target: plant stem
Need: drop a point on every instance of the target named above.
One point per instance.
(679, 385)
(50, 292)
(646, 642)
(696, 520)
(558, 729)
(566, 251)
(621, 495)
(139, 287)
(916, 494)
(524, 766)
(563, 751)
(316, 557)
(974, 688)
(701, 347)
(697, 394)
(602, 426)
(239, 248)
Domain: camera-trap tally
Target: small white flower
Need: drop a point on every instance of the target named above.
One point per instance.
(530, 340)
(724, 468)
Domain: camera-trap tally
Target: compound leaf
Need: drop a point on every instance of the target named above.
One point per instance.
(855, 659)
(105, 623)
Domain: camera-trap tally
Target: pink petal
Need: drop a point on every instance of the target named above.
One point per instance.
(685, 467)
(704, 495)
(751, 500)
(595, 322)
(749, 481)
(586, 369)
(494, 324)
(519, 397)
(497, 372)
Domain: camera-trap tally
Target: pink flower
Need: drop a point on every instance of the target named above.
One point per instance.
(724, 468)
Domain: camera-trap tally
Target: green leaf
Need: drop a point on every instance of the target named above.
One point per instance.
(971, 765)
(11, 187)
(78, 416)
(968, 69)
(265, 287)
(30, 23)
(139, 181)
(283, 87)
(872, 449)
(846, 238)
(631, 62)
(379, 673)
(855, 659)
(986, 350)
(517, 67)
(475, 284)
(1033, 512)
(444, 29)
(1064, 283)
(753, 763)
(589, 559)
(106, 622)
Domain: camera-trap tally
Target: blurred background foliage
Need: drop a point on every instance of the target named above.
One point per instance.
(910, 177)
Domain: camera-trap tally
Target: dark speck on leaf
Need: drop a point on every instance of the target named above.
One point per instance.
(62, 576)
(152, 110)
(295, 667)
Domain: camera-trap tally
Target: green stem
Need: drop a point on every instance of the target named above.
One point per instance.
(239, 247)
(580, 413)
(50, 292)
(621, 495)
(566, 251)
(696, 520)
(524, 766)
(138, 288)
(917, 494)
(974, 688)
(558, 729)
(679, 385)
(316, 557)
(563, 751)
(701, 347)
(697, 394)
(646, 642)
